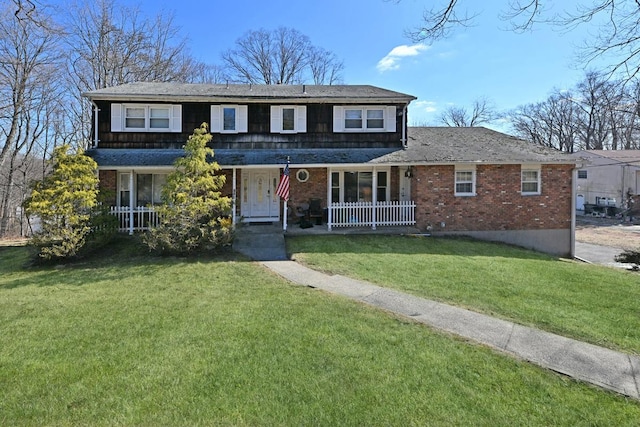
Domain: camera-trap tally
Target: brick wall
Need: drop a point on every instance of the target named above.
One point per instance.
(314, 188)
(498, 204)
(108, 186)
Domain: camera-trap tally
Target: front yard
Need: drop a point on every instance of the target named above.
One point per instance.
(127, 339)
(596, 304)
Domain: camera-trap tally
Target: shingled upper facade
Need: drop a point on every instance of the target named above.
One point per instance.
(351, 152)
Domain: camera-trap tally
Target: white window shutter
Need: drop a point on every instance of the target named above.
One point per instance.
(116, 117)
(301, 125)
(176, 118)
(242, 118)
(338, 119)
(215, 125)
(390, 119)
(276, 119)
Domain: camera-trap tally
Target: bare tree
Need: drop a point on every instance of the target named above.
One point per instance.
(482, 112)
(29, 68)
(598, 114)
(552, 123)
(283, 56)
(617, 34)
(110, 44)
(325, 66)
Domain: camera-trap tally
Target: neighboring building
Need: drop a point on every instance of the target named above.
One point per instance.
(351, 152)
(607, 181)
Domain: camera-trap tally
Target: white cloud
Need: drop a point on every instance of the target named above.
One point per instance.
(392, 60)
(426, 106)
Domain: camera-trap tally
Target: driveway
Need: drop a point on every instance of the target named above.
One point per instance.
(598, 241)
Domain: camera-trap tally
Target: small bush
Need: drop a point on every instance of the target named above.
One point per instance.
(629, 256)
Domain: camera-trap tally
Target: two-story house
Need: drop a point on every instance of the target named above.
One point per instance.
(351, 153)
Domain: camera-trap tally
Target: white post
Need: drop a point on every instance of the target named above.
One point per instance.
(329, 201)
(233, 199)
(131, 204)
(374, 197)
(284, 220)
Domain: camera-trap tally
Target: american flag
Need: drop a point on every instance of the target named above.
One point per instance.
(283, 186)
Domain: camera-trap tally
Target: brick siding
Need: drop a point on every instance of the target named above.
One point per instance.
(108, 186)
(498, 204)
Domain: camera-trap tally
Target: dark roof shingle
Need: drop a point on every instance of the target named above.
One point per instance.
(181, 92)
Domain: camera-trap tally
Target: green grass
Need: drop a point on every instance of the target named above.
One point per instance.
(126, 339)
(592, 303)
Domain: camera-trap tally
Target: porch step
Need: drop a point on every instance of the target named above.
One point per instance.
(261, 242)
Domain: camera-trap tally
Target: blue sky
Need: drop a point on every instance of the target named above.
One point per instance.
(369, 36)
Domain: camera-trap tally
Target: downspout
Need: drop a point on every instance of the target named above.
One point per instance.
(404, 126)
(95, 123)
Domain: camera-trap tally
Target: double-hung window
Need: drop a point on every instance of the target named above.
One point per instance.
(530, 180)
(146, 118)
(364, 118)
(288, 118)
(229, 118)
(582, 174)
(465, 181)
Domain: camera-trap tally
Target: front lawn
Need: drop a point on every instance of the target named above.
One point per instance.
(126, 339)
(592, 303)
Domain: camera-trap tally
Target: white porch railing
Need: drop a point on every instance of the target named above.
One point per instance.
(366, 214)
(139, 218)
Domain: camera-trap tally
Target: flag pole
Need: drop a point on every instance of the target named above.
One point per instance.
(285, 213)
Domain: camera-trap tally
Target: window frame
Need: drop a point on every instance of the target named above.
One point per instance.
(339, 186)
(124, 187)
(528, 169)
(299, 119)
(119, 117)
(342, 123)
(217, 118)
(465, 169)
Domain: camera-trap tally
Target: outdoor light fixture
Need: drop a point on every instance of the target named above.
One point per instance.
(409, 172)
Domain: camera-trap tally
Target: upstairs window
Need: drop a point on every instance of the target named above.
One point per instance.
(146, 118)
(582, 174)
(229, 118)
(530, 180)
(288, 119)
(364, 119)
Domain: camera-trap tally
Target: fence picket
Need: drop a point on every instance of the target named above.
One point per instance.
(359, 214)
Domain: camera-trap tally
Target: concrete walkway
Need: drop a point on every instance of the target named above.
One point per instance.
(606, 368)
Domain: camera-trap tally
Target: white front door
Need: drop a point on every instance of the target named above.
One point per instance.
(259, 199)
(580, 202)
